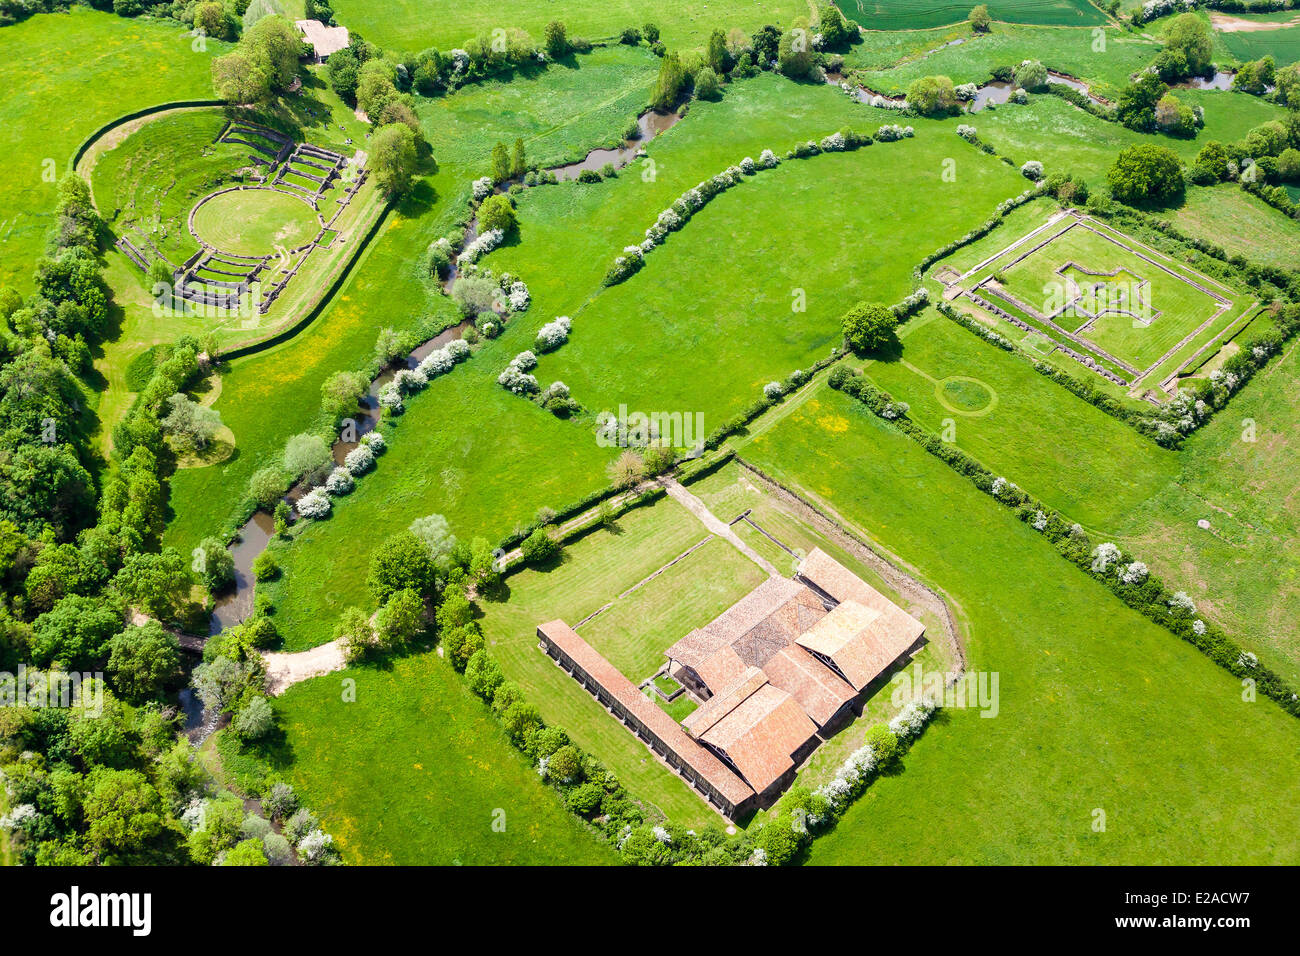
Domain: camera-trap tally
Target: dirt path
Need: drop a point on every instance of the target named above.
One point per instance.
(1225, 23)
(285, 670)
(720, 528)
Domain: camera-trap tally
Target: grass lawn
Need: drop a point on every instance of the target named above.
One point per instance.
(1099, 708)
(448, 774)
(1244, 573)
(913, 14)
(561, 111)
(1067, 139)
(629, 343)
(1075, 52)
(414, 25)
(76, 71)
(253, 222)
(1020, 424)
(635, 632)
(1243, 225)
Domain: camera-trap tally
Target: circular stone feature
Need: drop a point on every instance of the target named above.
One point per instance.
(965, 395)
(252, 222)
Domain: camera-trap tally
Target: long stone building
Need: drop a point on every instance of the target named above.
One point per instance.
(775, 674)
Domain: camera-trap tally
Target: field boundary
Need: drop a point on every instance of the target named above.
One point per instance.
(130, 117)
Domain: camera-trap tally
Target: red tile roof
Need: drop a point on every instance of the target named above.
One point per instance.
(818, 689)
(698, 758)
(758, 726)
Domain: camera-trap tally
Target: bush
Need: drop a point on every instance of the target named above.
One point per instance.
(539, 547)
(265, 567)
(497, 212)
(1146, 173)
(707, 84)
(869, 327)
(884, 743)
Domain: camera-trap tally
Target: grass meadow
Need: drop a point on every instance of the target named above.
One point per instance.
(1243, 225)
(415, 25)
(1106, 64)
(915, 14)
(450, 777)
(1244, 572)
(1099, 708)
(116, 66)
(1021, 424)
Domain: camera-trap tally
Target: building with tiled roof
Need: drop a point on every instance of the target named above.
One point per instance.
(775, 674)
(324, 40)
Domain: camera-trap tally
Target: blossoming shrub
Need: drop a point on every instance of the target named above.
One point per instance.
(314, 504)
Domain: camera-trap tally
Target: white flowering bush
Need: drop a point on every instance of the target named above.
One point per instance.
(1182, 602)
(1247, 659)
(852, 773)
(19, 818)
(556, 389)
(482, 188)
(1198, 627)
(909, 721)
(833, 143)
(374, 441)
(1103, 556)
(965, 92)
(553, 334)
(438, 362)
(662, 835)
(1033, 169)
(1040, 520)
(1135, 573)
(359, 460)
(316, 848)
(519, 297)
(525, 361)
(410, 380)
(314, 504)
(482, 245)
(889, 133)
(390, 397)
(1020, 97)
(968, 133)
(513, 379)
(748, 166)
(773, 390)
(895, 410)
(768, 159)
(339, 482)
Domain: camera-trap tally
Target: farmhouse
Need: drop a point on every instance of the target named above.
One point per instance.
(776, 674)
(324, 40)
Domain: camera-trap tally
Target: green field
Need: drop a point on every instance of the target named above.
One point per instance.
(414, 25)
(1100, 709)
(1282, 42)
(449, 774)
(1076, 52)
(1238, 222)
(914, 14)
(1090, 466)
(116, 66)
(254, 222)
(268, 397)
(626, 337)
(1176, 307)
(1246, 489)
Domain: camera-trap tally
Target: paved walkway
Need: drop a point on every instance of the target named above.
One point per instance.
(697, 507)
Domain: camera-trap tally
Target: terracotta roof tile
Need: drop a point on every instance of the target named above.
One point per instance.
(698, 758)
